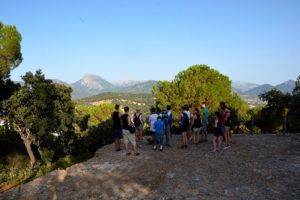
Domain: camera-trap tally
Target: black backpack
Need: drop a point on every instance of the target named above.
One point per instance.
(137, 120)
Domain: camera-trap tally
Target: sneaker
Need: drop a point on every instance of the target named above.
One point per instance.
(154, 148)
(128, 154)
(118, 149)
(226, 147)
(137, 153)
(161, 148)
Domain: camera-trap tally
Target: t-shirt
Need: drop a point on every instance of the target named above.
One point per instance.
(116, 120)
(159, 126)
(152, 120)
(205, 115)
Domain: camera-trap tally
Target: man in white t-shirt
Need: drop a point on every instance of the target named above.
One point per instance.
(151, 120)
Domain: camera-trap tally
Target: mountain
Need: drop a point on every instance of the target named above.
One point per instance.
(286, 86)
(141, 87)
(125, 83)
(240, 86)
(90, 85)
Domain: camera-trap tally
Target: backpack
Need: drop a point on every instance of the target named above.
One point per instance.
(185, 121)
(137, 120)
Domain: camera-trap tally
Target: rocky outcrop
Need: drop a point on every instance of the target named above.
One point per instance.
(255, 167)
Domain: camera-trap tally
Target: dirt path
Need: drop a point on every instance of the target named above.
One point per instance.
(255, 167)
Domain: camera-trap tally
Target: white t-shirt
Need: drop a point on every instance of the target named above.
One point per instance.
(152, 120)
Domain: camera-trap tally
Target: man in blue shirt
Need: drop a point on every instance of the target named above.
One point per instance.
(159, 133)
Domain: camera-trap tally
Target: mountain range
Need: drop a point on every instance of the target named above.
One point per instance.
(90, 85)
(253, 89)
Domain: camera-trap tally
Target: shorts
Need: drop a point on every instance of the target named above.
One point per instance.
(226, 128)
(219, 131)
(204, 128)
(196, 130)
(129, 137)
(117, 134)
(139, 128)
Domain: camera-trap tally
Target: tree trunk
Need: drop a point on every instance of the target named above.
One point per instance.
(30, 152)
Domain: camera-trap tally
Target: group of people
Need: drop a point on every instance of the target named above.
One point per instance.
(193, 126)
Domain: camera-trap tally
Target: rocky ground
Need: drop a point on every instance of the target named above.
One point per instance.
(255, 167)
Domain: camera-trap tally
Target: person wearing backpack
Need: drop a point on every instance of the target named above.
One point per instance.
(128, 132)
(205, 119)
(138, 124)
(168, 126)
(159, 133)
(184, 124)
(196, 126)
(224, 115)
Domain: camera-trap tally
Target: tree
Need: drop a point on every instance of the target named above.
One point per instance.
(196, 84)
(39, 109)
(10, 57)
(270, 117)
(10, 49)
(297, 86)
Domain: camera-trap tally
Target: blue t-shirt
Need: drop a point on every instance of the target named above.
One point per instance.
(159, 126)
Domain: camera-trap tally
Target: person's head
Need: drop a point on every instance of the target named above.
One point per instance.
(152, 110)
(222, 105)
(159, 117)
(186, 107)
(168, 107)
(158, 111)
(217, 114)
(126, 109)
(203, 104)
(117, 107)
(196, 110)
(138, 110)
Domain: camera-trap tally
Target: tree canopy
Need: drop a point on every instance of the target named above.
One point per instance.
(10, 49)
(39, 109)
(197, 84)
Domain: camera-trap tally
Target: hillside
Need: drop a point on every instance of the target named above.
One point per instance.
(255, 167)
(141, 100)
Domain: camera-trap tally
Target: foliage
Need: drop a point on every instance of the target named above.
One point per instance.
(197, 84)
(38, 110)
(142, 100)
(10, 49)
(279, 105)
(95, 114)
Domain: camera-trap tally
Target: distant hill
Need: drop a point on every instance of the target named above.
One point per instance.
(286, 86)
(240, 86)
(91, 85)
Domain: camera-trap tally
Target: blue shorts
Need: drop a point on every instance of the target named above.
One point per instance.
(117, 134)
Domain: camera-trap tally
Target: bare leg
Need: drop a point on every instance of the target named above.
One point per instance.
(215, 143)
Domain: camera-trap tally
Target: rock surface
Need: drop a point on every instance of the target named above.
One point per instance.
(255, 167)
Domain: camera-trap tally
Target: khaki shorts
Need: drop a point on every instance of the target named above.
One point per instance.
(196, 130)
(129, 137)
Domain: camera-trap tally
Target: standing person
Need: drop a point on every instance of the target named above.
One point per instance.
(218, 132)
(205, 119)
(224, 114)
(128, 132)
(168, 126)
(151, 120)
(138, 124)
(117, 127)
(196, 126)
(159, 133)
(184, 126)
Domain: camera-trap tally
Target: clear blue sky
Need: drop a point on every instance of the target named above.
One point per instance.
(248, 40)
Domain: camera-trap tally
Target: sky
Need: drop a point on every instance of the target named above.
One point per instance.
(248, 40)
